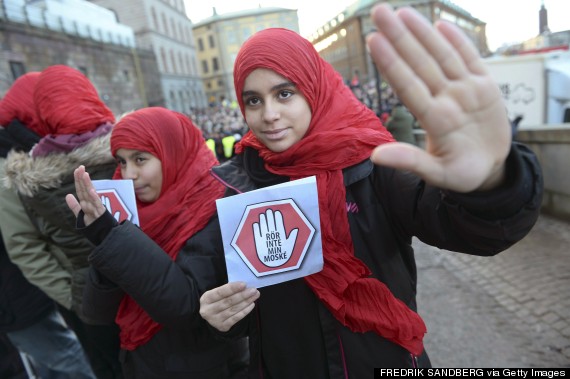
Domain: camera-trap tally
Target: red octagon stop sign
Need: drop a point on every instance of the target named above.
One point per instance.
(116, 203)
(263, 249)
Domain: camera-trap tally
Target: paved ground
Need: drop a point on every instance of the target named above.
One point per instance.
(511, 310)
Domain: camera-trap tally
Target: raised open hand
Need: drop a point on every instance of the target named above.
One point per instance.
(87, 199)
(440, 77)
(274, 248)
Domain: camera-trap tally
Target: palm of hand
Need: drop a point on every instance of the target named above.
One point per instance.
(438, 74)
(467, 134)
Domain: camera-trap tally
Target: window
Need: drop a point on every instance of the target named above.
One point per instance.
(164, 61)
(173, 60)
(245, 33)
(188, 67)
(165, 24)
(215, 65)
(205, 66)
(181, 33)
(126, 75)
(231, 37)
(173, 28)
(211, 41)
(154, 19)
(17, 69)
(200, 44)
(181, 62)
(83, 70)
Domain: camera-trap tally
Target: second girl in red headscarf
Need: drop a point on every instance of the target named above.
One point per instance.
(149, 280)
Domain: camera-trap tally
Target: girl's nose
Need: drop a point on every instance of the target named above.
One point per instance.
(130, 172)
(270, 112)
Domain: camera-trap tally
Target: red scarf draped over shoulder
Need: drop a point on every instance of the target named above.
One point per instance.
(342, 133)
(187, 198)
(68, 103)
(18, 103)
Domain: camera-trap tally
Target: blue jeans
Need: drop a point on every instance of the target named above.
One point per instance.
(52, 344)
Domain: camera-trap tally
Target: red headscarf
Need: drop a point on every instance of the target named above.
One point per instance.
(187, 187)
(19, 103)
(342, 133)
(68, 103)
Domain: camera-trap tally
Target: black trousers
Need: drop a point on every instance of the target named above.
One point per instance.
(101, 344)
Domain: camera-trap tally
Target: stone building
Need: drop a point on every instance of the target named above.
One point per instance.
(163, 27)
(36, 35)
(219, 38)
(342, 40)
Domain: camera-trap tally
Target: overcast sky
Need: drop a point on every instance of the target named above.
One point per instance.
(507, 20)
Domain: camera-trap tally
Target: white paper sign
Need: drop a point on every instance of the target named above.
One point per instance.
(272, 235)
(118, 196)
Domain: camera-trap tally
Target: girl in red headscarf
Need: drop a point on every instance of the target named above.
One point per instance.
(74, 125)
(359, 312)
(30, 319)
(149, 280)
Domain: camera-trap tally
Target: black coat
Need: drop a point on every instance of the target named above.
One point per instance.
(292, 335)
(21, 303)
(127, 261)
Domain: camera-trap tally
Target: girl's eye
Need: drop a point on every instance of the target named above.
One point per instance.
(140, 160)
(120, 162)
(252, 101)
(285, 94)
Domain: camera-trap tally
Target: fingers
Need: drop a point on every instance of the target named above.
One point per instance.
(435, 44)
(73, 204)
(87, 197)
(463, 46)
(409, 88)
(223, 292)
(224, 306)
(408, 49)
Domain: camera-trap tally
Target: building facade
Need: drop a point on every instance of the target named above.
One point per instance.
(219, 38)
(163, 27)
(39, 34)
(342, 40)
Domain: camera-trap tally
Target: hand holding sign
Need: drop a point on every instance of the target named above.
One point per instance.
(273, 246)
(107, 203)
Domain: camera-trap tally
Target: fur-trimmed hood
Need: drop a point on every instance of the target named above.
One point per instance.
(30, 175)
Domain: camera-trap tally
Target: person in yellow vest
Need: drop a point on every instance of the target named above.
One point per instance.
(228, 143)
(211, 144)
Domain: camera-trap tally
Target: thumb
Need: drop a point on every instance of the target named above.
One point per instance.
(73, 204)
(293, 235)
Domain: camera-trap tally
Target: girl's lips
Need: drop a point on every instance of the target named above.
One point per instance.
(275, 134)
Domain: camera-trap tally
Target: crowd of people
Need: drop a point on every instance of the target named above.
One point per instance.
(99, 297)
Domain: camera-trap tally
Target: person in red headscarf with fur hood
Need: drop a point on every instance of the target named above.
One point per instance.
(471, 191)
(74, 126)
(149, 280)
(31, 269)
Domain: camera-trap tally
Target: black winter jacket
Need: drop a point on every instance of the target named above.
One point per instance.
(21, 303)
(292, 335)
(128, 261)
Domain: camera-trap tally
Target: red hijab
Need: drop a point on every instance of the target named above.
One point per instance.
(187, 188)
(68, 103)
(19, 103)
(342, 132)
